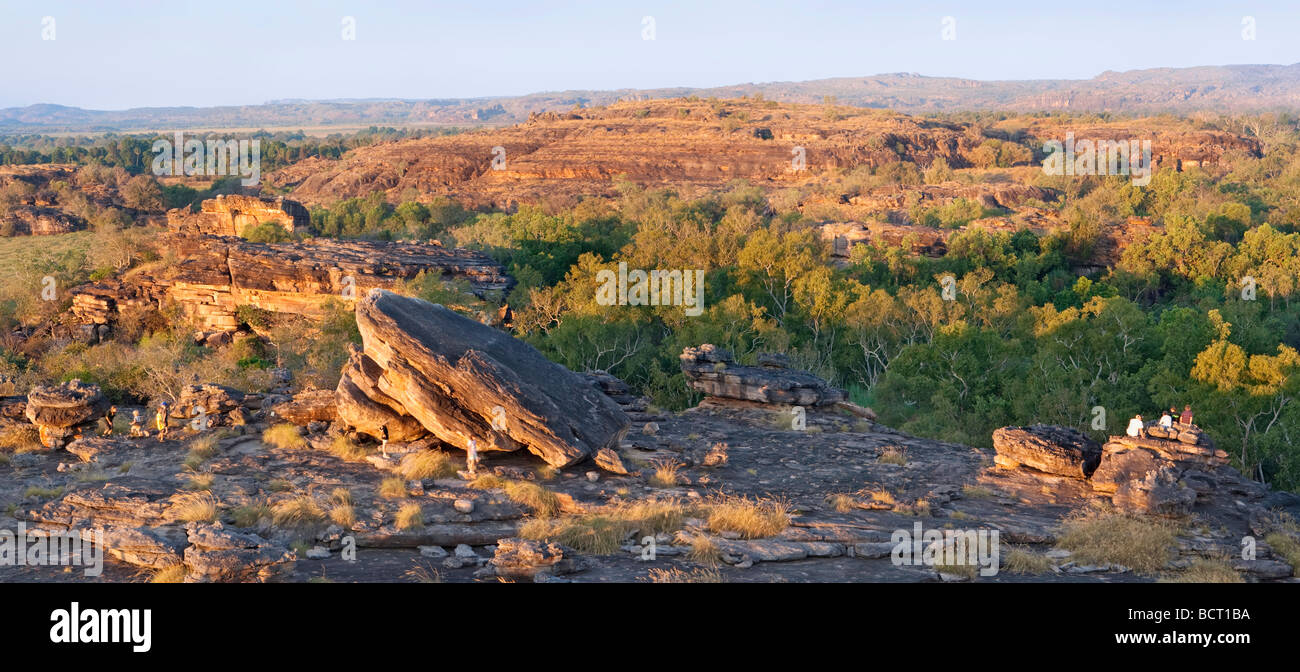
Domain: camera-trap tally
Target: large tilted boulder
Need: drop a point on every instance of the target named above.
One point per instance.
(714, 372)
(463, 380)
(64, 410)
(361, 406)
(1051, 449)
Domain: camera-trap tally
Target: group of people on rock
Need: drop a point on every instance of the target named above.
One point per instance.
(1137, 427)
(161, 419)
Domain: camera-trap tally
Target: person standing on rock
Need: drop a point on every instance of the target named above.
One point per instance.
(161, 420)
(471, 456)
(108, 419)
(1137, 428)
(383, 435)
(1186, 418)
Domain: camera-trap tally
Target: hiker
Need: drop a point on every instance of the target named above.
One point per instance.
(137, 424)
(471, 456)
(1167, 420)
(161, 420)
(1186, 418)
(383, 446)
(108, 419)
(1136, 427)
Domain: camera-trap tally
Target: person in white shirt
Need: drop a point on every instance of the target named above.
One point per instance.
(1136, 427)
(1166, 421)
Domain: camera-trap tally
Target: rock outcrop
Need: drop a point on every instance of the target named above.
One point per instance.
(1161, 476)
(219, 274)
(64, 410)
(714, 372)
(464, 381)
(1048, 448)
(234, 215)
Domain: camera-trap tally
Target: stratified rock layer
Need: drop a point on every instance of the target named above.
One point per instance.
(714, 372)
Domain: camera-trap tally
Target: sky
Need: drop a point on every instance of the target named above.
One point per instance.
(101, 54)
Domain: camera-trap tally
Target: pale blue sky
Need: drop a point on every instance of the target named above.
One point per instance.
(114, 55)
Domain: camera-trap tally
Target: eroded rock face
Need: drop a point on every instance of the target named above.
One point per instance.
(464, 381)
(714, 372)
(1048, 448)
(219, 274)
(363, 407)
(233, 215)
(64, 410)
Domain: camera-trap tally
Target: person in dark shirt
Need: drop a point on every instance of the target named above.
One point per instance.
(1186, 418)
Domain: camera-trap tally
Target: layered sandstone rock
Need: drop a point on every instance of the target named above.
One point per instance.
(466, 381)
(64, 410)
(216, 554)
(361, 406)
(714, 372)
(1047, 448)
(307, 407)
(220, 274)
(234, 215)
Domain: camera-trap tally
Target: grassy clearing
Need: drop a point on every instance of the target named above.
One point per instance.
(1105, 537)
(249, 515)
(410, 516)
(602, 532)
(284, 435)
(1024, 561)
(1287, 548)
(751, 519)
(393, 488)
(300, 511)
(977, 492)
(42, 493)
(1204, 570)
(426, 464)
(195, 507)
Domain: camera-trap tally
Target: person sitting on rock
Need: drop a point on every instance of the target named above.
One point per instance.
(162, 421)
(1167, 420)
(1137, 428)
(1186, 418)
(108, 419)
(137, 424)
